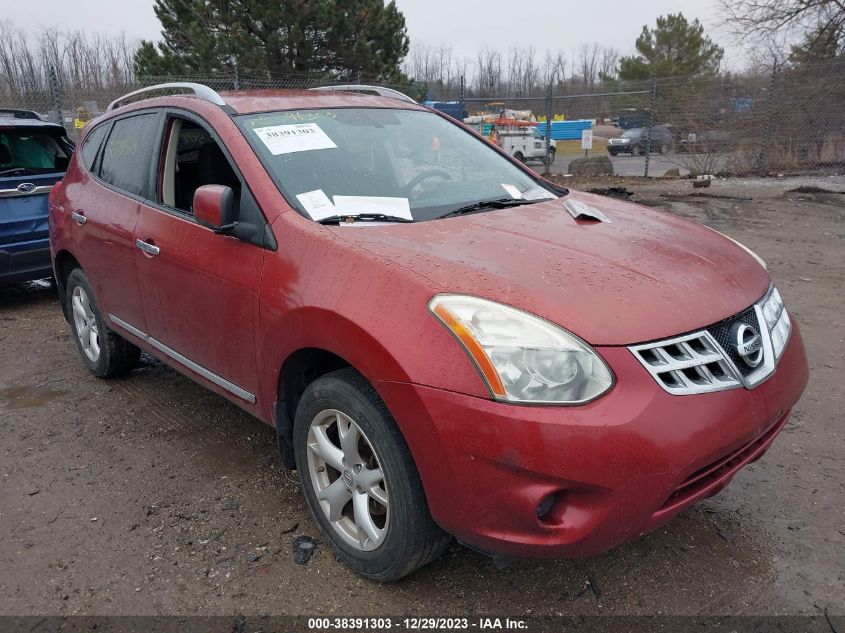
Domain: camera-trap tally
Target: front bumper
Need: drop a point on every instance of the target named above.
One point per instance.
(618, 467)
(25, 265)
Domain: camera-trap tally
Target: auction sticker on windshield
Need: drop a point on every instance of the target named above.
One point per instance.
(300, 137)
(353, 205)
(317, 204)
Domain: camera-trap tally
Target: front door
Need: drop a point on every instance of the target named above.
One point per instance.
(200, 289)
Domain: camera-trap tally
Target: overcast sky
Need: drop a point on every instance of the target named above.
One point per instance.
(466, 25)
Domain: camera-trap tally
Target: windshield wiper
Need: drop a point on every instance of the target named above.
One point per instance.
(365, 217)
(501, 203)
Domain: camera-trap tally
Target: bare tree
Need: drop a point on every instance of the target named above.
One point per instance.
(554, 69)
(488, 72)
(588, 63)
(783, 20)
(80, 62)
(523, 73)
(608, 63)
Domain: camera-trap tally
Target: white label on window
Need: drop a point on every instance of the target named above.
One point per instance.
(353, 205)
(512, 191)
(300, 137)
(317, 204)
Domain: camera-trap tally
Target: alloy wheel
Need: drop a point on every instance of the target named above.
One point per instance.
(348, 480)
(87, 330)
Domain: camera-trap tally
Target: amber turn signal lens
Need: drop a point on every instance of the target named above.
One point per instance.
(473, 348)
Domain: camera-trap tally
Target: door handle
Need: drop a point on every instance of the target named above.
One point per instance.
(149, 249)
(78, 217)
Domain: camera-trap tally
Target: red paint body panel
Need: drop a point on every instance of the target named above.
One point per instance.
(646, 274)
(240, 311)
(105, 242)
(201, 295)
(615, 462)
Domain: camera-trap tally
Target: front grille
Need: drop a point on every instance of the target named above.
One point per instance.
(688, 364)
(721, 332)
(708, 360)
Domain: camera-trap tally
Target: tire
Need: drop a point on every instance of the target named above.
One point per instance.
(613, 152)
(638, 151)
(520, 157)
(550, 158)
(112, 355)
(406, 536)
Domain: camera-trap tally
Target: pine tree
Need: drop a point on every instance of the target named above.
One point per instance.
(674, 48)
(339, 38)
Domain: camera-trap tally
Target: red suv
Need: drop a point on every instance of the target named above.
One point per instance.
(446, 343)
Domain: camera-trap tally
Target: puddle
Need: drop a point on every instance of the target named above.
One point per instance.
(13, 398)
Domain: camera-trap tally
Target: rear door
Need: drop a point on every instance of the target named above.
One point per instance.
(104, 208)
(200, 288)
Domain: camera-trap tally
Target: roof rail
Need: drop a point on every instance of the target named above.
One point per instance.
(200, 91)
(365, 89)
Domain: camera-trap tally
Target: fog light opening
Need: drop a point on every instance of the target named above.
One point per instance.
(545, 506)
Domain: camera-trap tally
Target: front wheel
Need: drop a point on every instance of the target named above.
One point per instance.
(360, 481)
(105, 354)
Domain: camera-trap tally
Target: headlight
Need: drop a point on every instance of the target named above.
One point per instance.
(777, 321)
(523, 358)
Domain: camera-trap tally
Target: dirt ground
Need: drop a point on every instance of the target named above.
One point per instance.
(151, 495)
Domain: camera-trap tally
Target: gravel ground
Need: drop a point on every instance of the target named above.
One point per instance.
(151, 495)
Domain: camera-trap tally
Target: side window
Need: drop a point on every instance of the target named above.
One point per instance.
(91, 145)
(193, 159)
(128, 155)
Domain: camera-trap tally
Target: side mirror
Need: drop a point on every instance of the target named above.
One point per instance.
(214, 208)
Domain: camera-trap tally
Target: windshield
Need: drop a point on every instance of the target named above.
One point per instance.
(32, 151)
(633, 133)
(406, 163)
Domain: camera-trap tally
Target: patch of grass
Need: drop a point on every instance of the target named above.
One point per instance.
(567, 148)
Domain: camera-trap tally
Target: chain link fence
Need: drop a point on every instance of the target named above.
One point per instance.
(786, 120)
(72, 106)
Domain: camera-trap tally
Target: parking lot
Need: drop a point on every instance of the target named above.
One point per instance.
(151, 495)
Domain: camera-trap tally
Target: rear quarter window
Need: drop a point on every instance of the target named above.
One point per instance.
(127, 157)
(91, 145)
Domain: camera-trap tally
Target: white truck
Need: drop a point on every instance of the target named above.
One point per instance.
(516, 133)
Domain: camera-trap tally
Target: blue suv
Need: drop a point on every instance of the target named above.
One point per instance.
(34, 155)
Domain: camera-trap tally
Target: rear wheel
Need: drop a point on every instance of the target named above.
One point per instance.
(360, 481)
(105, 353)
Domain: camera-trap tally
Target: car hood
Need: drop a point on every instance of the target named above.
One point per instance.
(644, 276)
